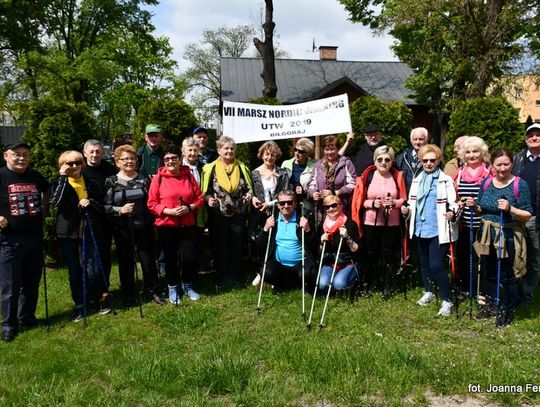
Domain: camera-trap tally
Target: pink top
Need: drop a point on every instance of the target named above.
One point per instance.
(381, 186)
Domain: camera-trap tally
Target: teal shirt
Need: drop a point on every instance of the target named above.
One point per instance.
(288, 248)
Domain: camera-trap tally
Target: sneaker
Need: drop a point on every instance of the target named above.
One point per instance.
(8, 334)
(156, 298)
(190, 292)
(104, 310)
(446, 309)
(174, 298)
(426, 299)
(256, 281)
(78, 316)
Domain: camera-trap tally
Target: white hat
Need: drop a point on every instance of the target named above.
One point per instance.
(533, 126)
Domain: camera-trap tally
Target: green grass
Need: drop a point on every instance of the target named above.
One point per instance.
(219, 352)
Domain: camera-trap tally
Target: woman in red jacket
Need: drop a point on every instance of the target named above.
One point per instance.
(174, 198)
(379, 193)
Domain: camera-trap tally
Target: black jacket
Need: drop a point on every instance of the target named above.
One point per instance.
(69, 217)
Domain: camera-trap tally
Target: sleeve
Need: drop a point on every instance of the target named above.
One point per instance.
(524, 201)
(312, 185)
(199, 200)
(110, 209)
(350, 179)
(58, 190)
(154, 202)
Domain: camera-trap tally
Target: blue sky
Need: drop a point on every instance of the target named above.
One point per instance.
(297, 23)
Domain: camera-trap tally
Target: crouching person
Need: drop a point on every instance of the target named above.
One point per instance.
(284, 263)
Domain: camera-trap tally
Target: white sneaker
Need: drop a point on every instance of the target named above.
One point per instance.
(426, 299)
(256, 281)
(446, 309)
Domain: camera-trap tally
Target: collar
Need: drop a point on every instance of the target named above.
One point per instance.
(531, 157)
(291, 220)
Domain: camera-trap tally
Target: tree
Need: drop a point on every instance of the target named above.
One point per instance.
(80, 50)
(205, 56)
(493, 119)
(266, 50)
(393, 117)
(455, 48)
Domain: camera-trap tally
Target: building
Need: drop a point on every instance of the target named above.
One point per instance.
(523, 92)
(301, 80)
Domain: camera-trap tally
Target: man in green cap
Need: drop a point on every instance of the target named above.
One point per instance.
(150, 156)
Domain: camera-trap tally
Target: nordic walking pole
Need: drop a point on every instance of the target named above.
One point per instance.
(471, 237)
(99, 262)
(264, 267)
(331, 281)
(499, 254)
(308, 326)
(45, 295)
(452, 262)
(303, 270)
(84, 271)
(132, 235)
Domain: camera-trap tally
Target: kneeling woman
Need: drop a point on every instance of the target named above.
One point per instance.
(338, 227)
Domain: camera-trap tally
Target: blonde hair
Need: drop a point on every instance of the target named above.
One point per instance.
(474, 141)
(270, 146)
(384, 150)
(430, 148)
(65, 157)
(126, 148)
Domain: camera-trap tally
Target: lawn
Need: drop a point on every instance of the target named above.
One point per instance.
(220, 352)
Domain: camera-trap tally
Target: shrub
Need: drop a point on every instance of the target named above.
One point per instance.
(493, 119)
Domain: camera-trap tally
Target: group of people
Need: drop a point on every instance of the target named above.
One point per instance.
(366, 214)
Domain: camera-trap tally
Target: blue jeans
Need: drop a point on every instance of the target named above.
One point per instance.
(432, 257)
(530, 280)
(342, 279)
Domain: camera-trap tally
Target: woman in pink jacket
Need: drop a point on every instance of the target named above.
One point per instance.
(174, 198)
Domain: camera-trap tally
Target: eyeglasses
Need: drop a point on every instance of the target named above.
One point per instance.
(383, 160)
(283, 203)
(332, 205)
(172, 158)
(74, 163)
(429, 160)
(299, 151)
(126, 159)
(19, 155)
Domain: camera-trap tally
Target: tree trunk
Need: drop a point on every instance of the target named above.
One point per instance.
(266, 50)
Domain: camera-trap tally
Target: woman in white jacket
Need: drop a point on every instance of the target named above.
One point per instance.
(432, 200)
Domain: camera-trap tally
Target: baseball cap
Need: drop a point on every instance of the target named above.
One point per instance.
(532, 127)
(200, 130)
(13, 146)
(153, 128)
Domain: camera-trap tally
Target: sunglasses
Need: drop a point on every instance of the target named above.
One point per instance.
(383, 160)
(299, 151)
(74, 163)
(429, 160)
(332, 205)
(283, 203)
(173, 158)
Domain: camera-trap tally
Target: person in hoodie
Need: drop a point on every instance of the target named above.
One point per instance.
(174, 198)
(125, 201)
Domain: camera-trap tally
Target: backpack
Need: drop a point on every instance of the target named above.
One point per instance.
(489, 179)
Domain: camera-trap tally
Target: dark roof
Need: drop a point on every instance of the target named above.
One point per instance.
(299, 80)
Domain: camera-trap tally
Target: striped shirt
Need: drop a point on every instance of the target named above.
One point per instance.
(466, 190)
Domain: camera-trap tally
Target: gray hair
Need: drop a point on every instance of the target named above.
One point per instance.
(306, 144)
(422, 130)
(92, 142)
(477, 142)
(225, 140)
(188, 142)
(384, 150)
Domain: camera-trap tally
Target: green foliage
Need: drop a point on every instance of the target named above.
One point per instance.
(176, 118)
(393, 117)
(55, 127)
(493, 119)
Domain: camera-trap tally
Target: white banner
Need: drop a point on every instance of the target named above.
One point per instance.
(246, 122)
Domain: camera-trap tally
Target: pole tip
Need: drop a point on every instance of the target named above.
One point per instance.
(308, 327)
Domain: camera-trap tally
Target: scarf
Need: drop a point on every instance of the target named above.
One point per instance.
(466, 175)
(424, 186)
(228, 178)
(332, 226)
(329, 173)
(79, 186)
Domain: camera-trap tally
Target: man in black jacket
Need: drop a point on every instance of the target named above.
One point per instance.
(408, 161)
(527, 166)
(363, 157)
(284, 265)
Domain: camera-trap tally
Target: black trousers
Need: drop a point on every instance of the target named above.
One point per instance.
(143, 241)
(288, 277)
(228, 235)
(181, 246)
(21, 262)
(383, 255)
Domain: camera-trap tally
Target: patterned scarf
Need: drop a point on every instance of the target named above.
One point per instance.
(329, 173)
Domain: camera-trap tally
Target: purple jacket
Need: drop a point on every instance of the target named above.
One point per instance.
(344, 181)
